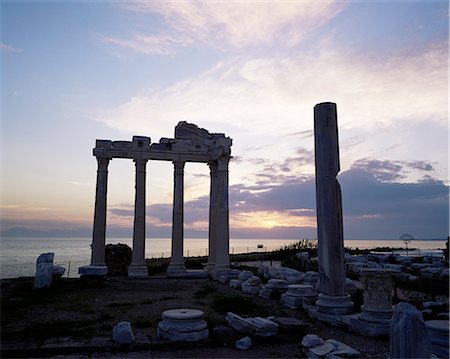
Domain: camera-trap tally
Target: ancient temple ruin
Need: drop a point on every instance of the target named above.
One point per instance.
(191, 144)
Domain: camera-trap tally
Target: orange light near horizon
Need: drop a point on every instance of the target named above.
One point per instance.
(270, 219)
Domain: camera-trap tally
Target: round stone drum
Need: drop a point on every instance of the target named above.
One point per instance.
(183, 325)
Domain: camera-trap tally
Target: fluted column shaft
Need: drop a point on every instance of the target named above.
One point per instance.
(98, 237)
(222, 234)
(177, 261)
(212, 240)
(138, 257)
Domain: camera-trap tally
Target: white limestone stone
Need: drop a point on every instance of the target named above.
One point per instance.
(122, 333)
(244, 275)
(243, 325)
(408, 333)
(253, 280)
(343, 350)
(438, 331)
(264, 327)
(235, 283)
(182, 325)
(93, 271)
(320, 351)
(265, 292)
(44, 271)
(244, 343)
(311, 340)
(58, 271)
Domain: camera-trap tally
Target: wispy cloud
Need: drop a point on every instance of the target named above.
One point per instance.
(382, 104)
(223, 24)
(9, 49)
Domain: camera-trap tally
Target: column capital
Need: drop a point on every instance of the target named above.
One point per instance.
(103, 161)
(222, 163)
(179, 167)
(140, 161)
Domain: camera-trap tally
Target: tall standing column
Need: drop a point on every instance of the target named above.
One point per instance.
(176, 266)
(98, 237)
(138, 267)
(212, 240)
(332, 298)
(222, 230)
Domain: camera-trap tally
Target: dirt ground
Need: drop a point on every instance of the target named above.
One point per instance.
(73, 320)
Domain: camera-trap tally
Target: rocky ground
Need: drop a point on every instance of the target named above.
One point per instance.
(73, 319)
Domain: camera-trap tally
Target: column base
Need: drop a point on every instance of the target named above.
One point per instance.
(338, 305)
(93, 271)
(137, 271)
(176, 270)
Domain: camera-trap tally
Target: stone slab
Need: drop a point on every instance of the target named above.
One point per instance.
(182, 314)
(93, 271)
(311, 340)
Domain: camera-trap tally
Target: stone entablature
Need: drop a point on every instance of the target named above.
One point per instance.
(191, 144)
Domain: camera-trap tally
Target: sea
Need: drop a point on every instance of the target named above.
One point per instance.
(18, 255)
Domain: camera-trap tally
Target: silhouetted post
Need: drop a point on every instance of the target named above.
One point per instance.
(138, 267)
(332, 298)
(98, 237)
(222, 260)
(176, 266)
(212, 240)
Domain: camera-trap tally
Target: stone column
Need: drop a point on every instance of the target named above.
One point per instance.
(377, 309)
(332, 298)
(97, 268)
(138, 267)
(98, 237)
(176, 266)
(212, 240)
(221, 232)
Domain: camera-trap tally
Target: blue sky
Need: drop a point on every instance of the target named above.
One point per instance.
(72, 72)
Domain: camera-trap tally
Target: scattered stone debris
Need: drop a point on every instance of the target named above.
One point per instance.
(244, 343)
(258, 326)
(438, 331)
(123, 333)
(251, 285)
(315, 347)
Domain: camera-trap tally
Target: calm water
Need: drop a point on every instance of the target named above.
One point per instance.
(18, 255)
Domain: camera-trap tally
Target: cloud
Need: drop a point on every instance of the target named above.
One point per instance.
(226, 24)
(261, 102)
(390, 171)
(9, 49)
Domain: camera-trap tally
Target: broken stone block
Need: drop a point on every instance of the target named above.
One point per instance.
(240, 324)
(122, 333)
(264, 327)
(244, 343)
(244, 275)
(343, 350)
(320, 350)
(408, 333)
(311, 340)
(235, 283)
(44, 271)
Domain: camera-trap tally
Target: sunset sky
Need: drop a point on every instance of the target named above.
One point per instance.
(73, 72)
